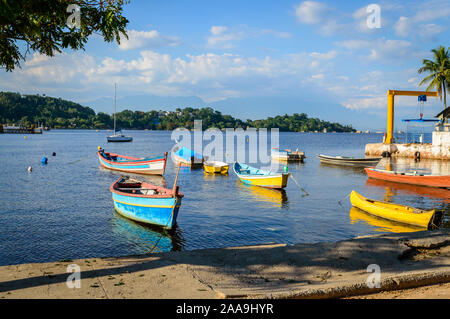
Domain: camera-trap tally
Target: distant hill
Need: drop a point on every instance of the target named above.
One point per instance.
(59, 113)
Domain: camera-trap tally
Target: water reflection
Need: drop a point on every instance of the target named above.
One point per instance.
(407, 189)
(350, 169)
(211, 176)
(424, 166)
(275, 197)
(145, 238)
(381, 225)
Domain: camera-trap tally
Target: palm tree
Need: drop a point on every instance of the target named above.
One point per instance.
(439, 69)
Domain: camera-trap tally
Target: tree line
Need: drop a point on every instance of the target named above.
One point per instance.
(58, 113)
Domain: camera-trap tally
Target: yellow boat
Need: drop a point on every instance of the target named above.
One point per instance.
(215, 167)
(399, 213)
(258, 177)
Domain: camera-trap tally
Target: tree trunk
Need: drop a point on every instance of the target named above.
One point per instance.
(445, 95)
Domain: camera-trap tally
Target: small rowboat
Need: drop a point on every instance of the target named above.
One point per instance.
(287, 155)
(146, 203)
(399, 213)
(187, 157)
(258, 177)
(412, 177)
(215, 167)
(348, 161)
(136, 165)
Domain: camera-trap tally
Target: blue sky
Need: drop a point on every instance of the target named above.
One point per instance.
(252, 59)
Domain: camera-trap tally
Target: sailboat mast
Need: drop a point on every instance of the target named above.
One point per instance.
(115, 89)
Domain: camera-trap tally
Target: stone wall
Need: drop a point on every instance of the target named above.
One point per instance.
(408, 150)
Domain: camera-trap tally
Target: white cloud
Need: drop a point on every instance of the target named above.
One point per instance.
(224, 37)
(317, 13)
(209, 76)
(403, 27)
(311, 12)
(277, 34)
(368, 102)
(146, 39)
(383, 49)
(319, 76)
(216, 30)
(416, 24)
(325, 56)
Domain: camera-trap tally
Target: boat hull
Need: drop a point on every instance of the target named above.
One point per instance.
(153, 166)
(277, 181)
(186, 157)
(423, 180)
(287, 155)
(193, 163)
(346, 161)
(156, 211)
(214, 168)
(119, 139)
(399, 213)
(257, 177)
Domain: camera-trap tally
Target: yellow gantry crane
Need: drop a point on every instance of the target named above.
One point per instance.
(390, 110)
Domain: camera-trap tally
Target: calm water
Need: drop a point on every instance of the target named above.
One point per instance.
(64, 209)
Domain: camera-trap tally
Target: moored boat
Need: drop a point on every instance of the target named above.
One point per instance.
(184, 156)
(215, 167)
(348, 161)
(258, 177)
(136, 165)
(399, 213)
(286, 155)
(146, 203)
(411, 177)
(119, 137)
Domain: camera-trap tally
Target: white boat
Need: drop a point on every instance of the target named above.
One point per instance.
(287, 155)
(117, 136)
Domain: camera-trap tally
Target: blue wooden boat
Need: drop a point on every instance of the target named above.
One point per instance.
(258, 177)
(146, 203)
(184, 156)
(136, 165)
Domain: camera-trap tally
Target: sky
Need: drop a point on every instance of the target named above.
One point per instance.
(253, 59)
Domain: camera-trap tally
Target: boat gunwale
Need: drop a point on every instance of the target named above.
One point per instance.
(137, 160)
(382, 171)
(348, 159)
(169, 192)
(217, 164)
(255, 176)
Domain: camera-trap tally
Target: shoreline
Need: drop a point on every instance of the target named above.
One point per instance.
(320, 270)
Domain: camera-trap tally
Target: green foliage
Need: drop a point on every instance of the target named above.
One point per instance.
(439, 74)
(59, 113)
(42, 26)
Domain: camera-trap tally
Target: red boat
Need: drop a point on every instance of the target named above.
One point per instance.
(414, 178)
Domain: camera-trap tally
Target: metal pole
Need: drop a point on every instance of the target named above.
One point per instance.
(115, 89)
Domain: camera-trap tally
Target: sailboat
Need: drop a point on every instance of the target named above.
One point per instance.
(117, 136)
